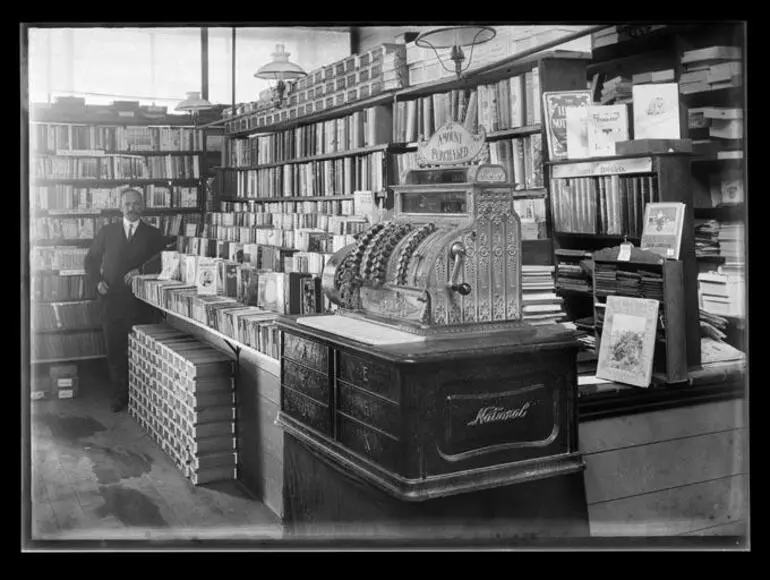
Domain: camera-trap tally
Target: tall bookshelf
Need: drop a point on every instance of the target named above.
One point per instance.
(717, 168)
(264, 162)
(81, 157)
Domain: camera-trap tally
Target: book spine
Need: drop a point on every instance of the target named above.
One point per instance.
(519, 172)
(517, 101)
(555, 198)
(536, 101)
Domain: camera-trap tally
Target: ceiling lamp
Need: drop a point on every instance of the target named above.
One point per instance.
(455, 37)
(280, 69)
(194, 104)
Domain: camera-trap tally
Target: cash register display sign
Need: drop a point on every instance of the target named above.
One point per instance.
(451, 144)
(484, 422)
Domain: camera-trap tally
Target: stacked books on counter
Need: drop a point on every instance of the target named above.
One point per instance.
(181, 392)
(540, 304)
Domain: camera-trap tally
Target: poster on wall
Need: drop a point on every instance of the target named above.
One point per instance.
(555, 106)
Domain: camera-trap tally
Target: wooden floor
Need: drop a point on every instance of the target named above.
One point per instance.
(95, 475)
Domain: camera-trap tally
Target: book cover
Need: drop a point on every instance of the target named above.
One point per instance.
(731, 187)
(206, 277)
(656, 111)
(607, 124)
(576, 119)
(536, 153)
(663, 223)
(628, 340)
(169, 266)
(555, 105)
(191, 269)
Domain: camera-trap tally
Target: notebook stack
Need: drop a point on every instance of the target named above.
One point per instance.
(540, 304)
(573, 270)
(181, 393)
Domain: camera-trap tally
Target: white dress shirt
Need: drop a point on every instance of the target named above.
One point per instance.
(127, 224)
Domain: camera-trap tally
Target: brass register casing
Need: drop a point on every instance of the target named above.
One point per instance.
(448, 261)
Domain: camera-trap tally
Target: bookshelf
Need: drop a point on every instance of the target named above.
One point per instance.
(599, 202)
(711, 92)
(81, 157)
(648, 275)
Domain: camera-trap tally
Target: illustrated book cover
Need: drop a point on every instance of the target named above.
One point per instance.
(555, 106)
(663, 224)
(628, 340)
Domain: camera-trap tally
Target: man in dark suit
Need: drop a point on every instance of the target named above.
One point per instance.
(120, 251)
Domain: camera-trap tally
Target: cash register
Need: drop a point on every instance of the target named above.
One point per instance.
(424, 397)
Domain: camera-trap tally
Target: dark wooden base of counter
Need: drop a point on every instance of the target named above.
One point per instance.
(320, 501)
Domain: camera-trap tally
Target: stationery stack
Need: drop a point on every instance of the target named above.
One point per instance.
(711, 68)
(540, 304)
(616, 91)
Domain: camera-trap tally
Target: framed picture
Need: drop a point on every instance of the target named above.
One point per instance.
(555, 105)
(628, 340)
(663, 224)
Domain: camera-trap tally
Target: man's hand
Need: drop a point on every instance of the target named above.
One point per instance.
(102, 288)
(130, 276)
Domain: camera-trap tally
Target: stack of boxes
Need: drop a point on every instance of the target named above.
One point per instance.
(181, 393)
(423, 66)
(346, 81)
(61, 382)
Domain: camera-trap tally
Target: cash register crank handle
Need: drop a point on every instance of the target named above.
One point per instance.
(458, 253)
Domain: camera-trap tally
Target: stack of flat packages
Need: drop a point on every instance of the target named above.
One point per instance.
(181, 393)
(706, 238)
(711, 68)
(617, 91)
(540, 304)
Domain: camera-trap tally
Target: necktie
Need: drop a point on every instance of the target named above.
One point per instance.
(130, 231)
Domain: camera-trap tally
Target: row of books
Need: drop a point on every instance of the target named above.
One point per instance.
(574, 270)
(70, 198)
(333, 207)
(540, 304)
(606, 204)
(522, 158)
(310, 253)
(711, 68)
(117, 167)
(65, 315)
(181, 392)
(335, 224)
(609, 279)
(175, 225)
(302, 240)
(66, 228)
(506, 104)
(62, 137)
(49, 287)
(62, 259)
(366, 128)
(248, 282)
(317, 178)
(73, 345)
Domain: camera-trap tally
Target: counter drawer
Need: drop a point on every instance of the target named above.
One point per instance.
(370, 376)
(306, 380)
(369, 442)
(306, 410)
(310, 353)
(369, 409)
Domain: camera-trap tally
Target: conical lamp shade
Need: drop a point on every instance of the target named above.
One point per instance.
(447, 37)
(280, 68)
(193, 102)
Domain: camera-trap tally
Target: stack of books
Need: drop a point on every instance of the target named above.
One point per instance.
(540, 304)
(573, 270)
(706, 238)
(181, 392)
(732, 247)
(721, 294)
(584, 332)
(616, 91)
(712, 325)
(659, 76)
(711, 68)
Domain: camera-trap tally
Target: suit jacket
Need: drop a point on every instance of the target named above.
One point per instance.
(111, 256)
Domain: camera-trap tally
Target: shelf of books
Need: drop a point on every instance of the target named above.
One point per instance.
(81, 158)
